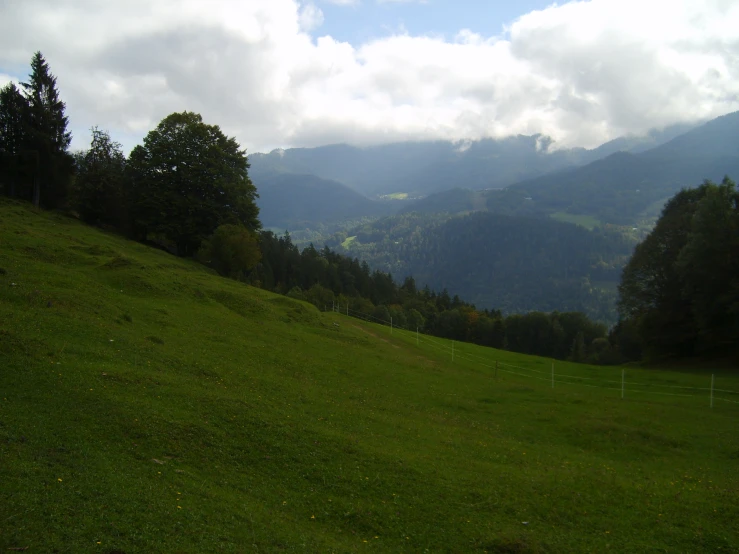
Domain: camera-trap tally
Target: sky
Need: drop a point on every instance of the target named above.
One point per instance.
(300, 73)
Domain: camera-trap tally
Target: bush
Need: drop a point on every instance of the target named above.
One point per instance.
(232, 250)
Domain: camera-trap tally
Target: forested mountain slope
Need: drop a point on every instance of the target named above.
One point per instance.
(290, 201)
(452, 201)
(511, 263)
(625, 187)
(422, 168)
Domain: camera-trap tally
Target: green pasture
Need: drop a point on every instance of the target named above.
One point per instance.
(148, 405)
(587, 221)
(348, 241)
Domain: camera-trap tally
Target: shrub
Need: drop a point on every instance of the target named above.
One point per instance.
(232, 250)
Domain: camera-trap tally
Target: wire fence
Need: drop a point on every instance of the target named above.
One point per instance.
(710, 393)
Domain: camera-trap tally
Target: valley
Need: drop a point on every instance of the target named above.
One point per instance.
(612, 195)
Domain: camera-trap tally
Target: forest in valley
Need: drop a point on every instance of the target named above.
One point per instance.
(529, 285)
(512, 263)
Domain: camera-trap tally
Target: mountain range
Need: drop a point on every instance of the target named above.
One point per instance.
(304, 186)
(625, 187)
(520, 251)
(288, 201)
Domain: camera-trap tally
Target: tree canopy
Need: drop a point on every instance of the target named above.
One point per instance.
(187, 179)
(681, 287)
(99, 191)
(13, 110)
(34, 140)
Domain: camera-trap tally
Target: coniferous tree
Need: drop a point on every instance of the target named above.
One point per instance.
(47, 139)
(13, 110)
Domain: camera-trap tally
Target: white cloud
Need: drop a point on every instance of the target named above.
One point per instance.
(310, 17)
(583, 72)
(343, 2)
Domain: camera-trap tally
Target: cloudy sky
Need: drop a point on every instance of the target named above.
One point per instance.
(279, 73)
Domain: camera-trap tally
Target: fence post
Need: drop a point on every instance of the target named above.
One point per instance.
(712, 377)
(496, 370)
(391, 325)
(452, 350)
(416, 336)
(623, 372)
(552, 374)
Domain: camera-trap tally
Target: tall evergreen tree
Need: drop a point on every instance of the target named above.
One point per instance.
(47, 136)
(13, 110)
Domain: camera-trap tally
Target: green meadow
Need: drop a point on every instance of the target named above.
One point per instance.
(148, 405)
(348, 242)
(396, 196)
(587, 221)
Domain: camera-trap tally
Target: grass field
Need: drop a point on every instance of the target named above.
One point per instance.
(147, 405)
(587, 221)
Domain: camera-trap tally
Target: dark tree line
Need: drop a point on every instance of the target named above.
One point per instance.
(35, 163)
(187, 189)
(186, 179)
(679, 294)
(326, 278)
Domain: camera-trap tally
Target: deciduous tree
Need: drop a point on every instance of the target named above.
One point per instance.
(188, 179)
(709, 263)
(232, 250)
(99, 193)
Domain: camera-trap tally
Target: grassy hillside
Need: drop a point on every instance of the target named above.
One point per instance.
(147, 405)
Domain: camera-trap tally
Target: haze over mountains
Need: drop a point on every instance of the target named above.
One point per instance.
(419, 168)
(521, 251)
(626, 187)
(287, 201)
(538, 179)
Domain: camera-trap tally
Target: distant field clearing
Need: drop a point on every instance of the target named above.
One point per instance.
(587, 221)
